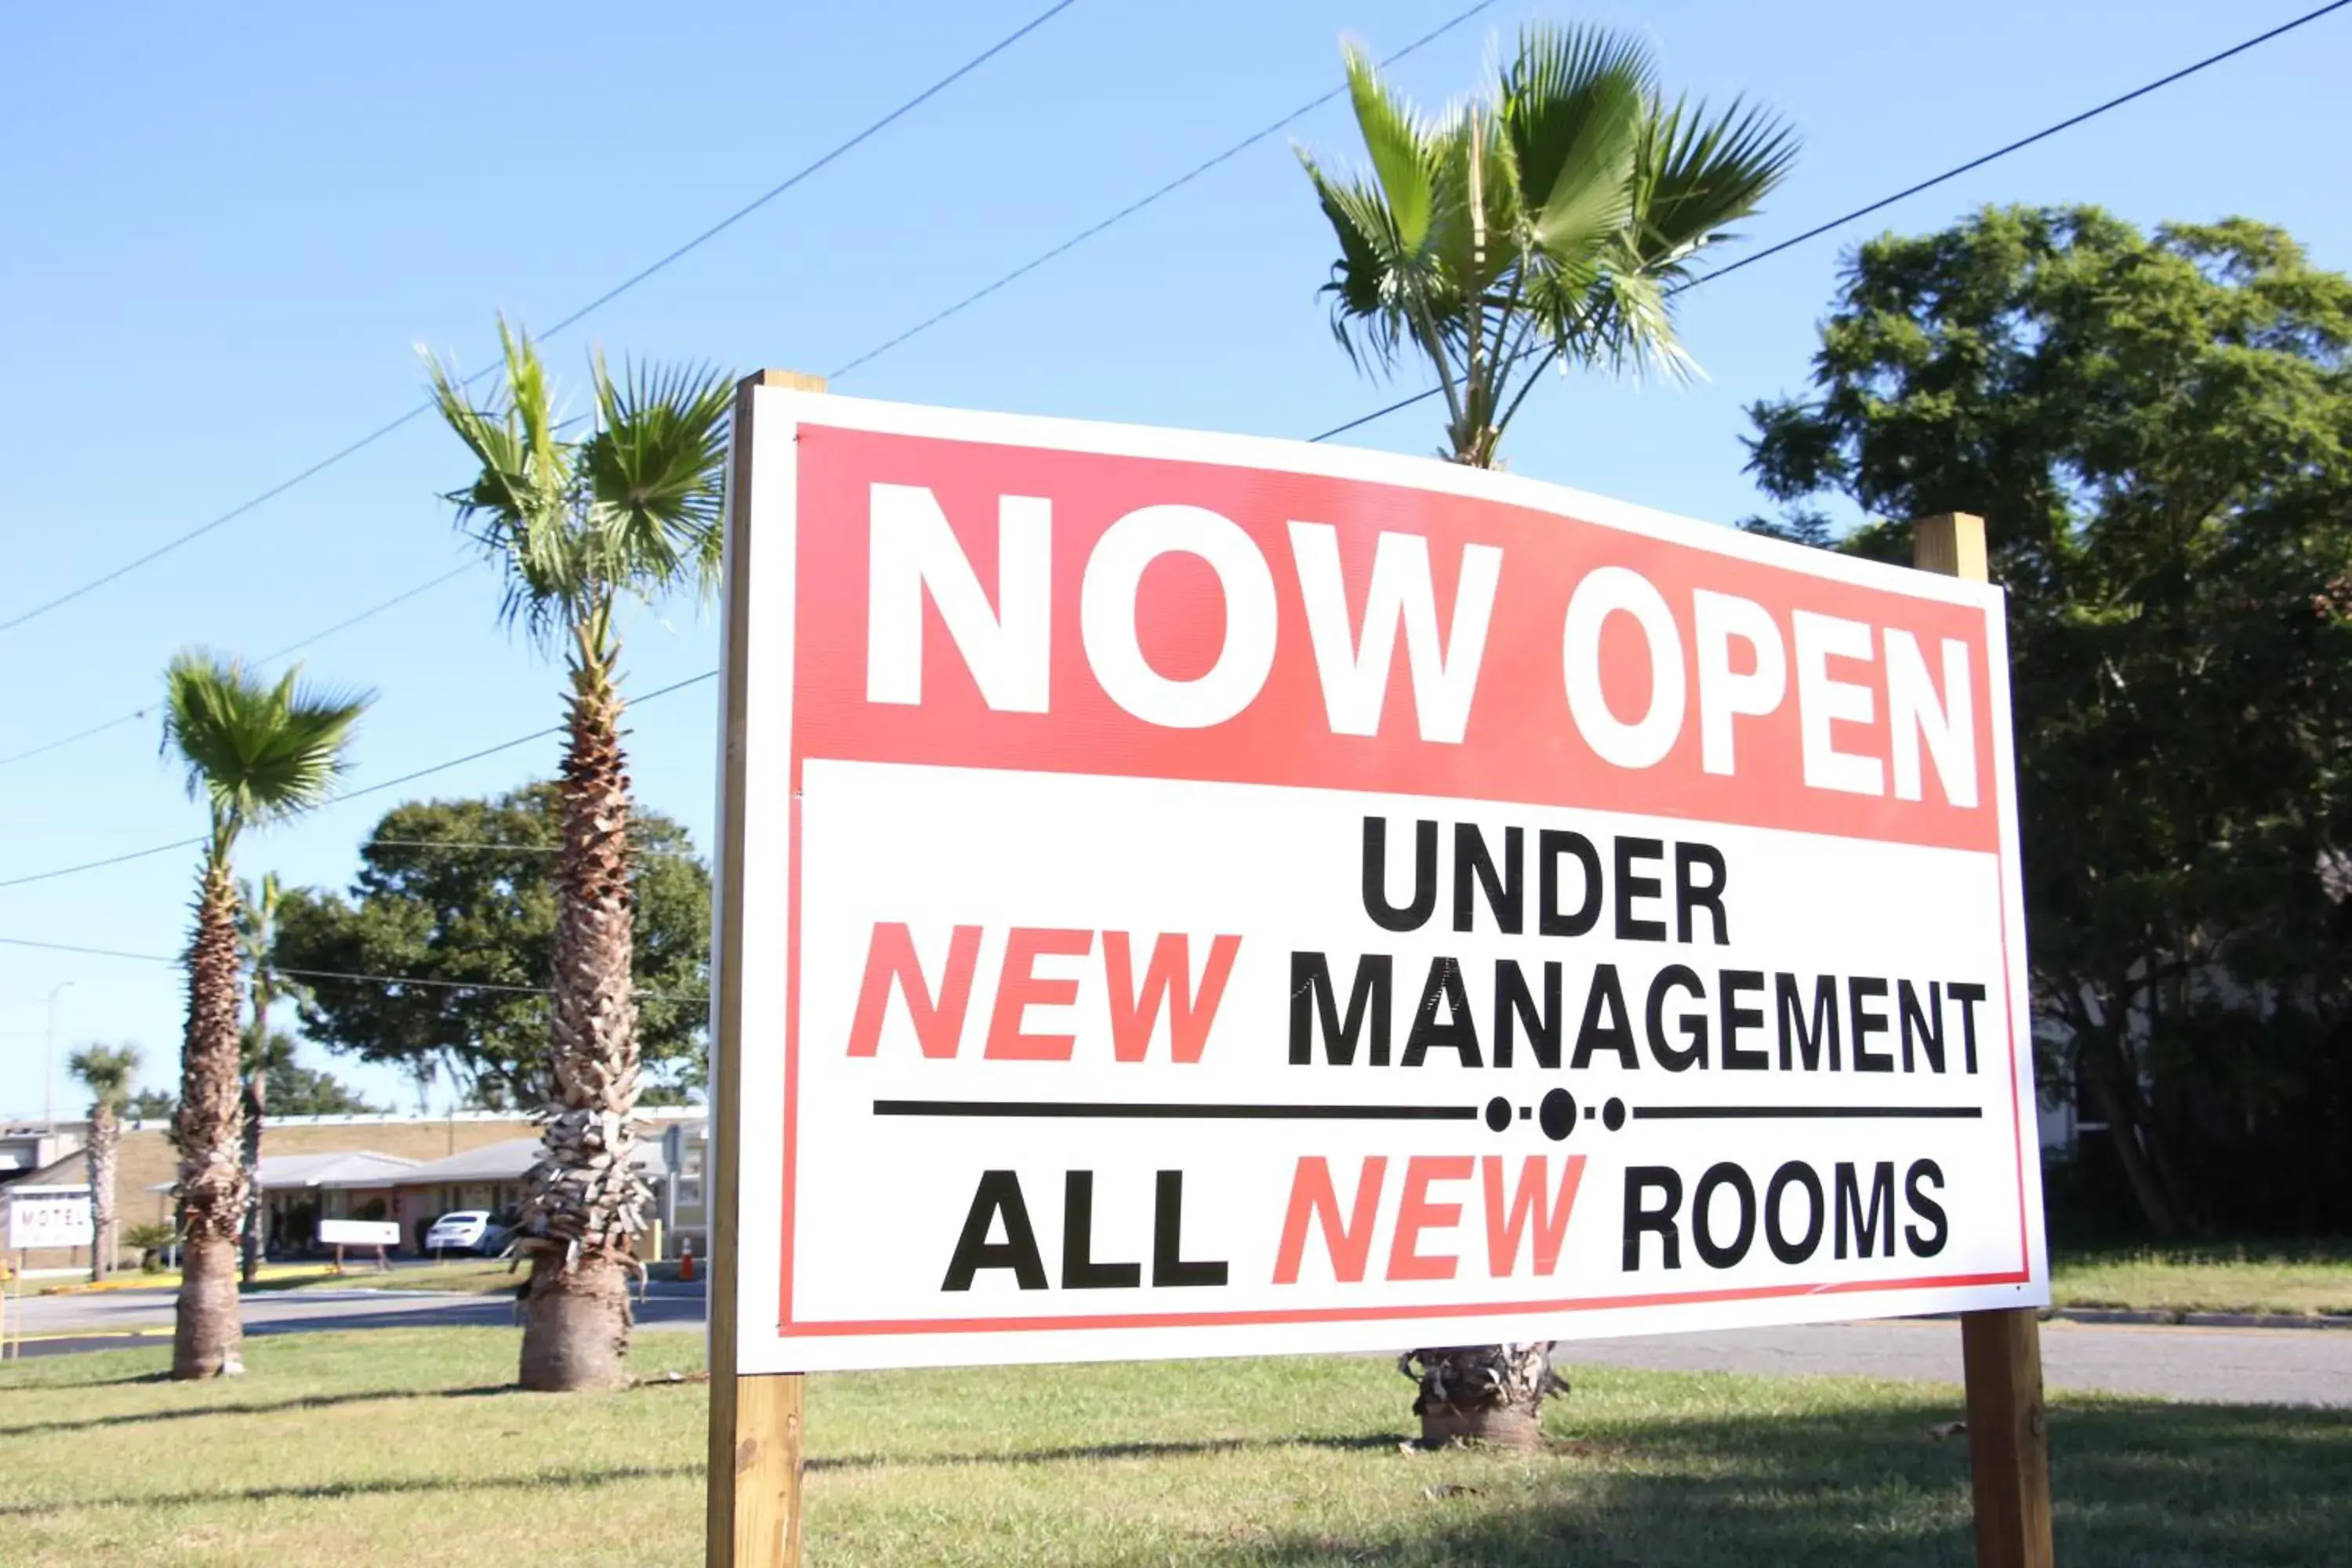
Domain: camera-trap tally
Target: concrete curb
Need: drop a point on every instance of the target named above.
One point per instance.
(2197, 1319)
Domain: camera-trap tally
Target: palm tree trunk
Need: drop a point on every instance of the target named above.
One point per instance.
(586, 1202)
(256, 1100)
(105, 1132)
(1483, 1393)
(208, 1340)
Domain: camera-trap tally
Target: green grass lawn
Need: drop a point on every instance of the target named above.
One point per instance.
(2310, 1279)
(403, 1448)
(475, 1276)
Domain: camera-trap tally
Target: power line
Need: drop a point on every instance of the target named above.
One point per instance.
(340, 974)
(1929, 183)
(488, 845)
(369, 614)
(1128, 211)
(748, 208)
(1811, 233)
(974, 297)
(601, 301)
(344, 624)
(114, 723)
(354, 794)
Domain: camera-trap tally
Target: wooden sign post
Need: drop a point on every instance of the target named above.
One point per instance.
(753, 1504)
(2009, 1436)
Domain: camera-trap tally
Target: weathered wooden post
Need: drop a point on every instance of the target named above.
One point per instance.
(2009, 1436)
(753, 1508)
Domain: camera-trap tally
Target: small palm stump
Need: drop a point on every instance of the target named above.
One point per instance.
(1488, 1394)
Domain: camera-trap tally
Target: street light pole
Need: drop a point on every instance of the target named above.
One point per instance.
(49, 1063)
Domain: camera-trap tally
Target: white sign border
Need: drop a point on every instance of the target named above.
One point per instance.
(769, 906)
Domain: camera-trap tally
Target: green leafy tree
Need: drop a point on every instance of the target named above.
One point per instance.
(1546, 223)
(631, 510)
(106, 1071)
(254, 754)
(461, 895)
(152, 1105)
(294, 1089)
(2158, 429)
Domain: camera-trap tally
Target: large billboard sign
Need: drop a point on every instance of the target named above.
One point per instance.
(1193, 894)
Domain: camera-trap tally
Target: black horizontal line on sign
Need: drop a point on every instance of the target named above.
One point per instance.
(1803, 1112)
(1123, 1109)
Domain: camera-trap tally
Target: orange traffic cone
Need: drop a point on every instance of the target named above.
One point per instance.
(685, 1262)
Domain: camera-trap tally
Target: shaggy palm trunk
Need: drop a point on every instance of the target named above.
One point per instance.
(586, 1202)
(105, 1138)
(256, 1100)
(208, 1340)
(1483, 1393)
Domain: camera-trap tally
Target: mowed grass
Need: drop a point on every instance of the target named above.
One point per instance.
(473, 1276)
(404, 1448)
(2314, 1280)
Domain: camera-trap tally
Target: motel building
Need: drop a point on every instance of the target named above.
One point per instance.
(409, 1169)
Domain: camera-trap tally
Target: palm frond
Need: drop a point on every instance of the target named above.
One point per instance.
(1398, 146)
(106, 1071)
(1381, 291)
(1699, 173)
(654, 473)
(1572, 103)
(1548, 220)
(254, 750)
(635, 506)
(518, 507)
(1476, 238)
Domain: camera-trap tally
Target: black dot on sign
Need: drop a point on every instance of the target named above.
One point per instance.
(1558, 1114)
(1525, 1112)
(1590, 1113)
(1613, 1115)
(1498, 1113)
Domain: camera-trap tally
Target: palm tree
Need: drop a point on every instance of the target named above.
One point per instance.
(257, 753)
(1548, 222)
(256, 931)
(1551, 222)
(106, 1071)
(631, 510)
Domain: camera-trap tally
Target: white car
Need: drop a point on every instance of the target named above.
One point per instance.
(466, 1230)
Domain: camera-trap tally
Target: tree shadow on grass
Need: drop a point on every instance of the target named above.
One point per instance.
(264, 1407)
(1096, 1452)
(2143, 1483)
(331, 1492)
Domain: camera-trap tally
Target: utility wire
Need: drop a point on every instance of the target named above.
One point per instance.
(337, 974)
(490, 844)
(601, 301)
(1179, 182)
(1811, 233)
(1929, 183)
(377, 787)
(344, 624)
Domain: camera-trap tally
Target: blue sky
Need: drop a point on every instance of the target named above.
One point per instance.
(226, 234)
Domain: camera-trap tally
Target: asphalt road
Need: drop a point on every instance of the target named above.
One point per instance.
(2229, 1366)
(2239, 1366)
(111, 1320)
